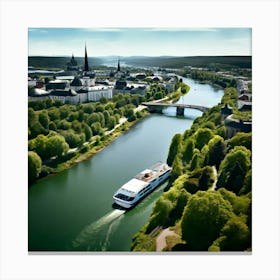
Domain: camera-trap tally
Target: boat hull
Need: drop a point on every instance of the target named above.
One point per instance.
(130, 204)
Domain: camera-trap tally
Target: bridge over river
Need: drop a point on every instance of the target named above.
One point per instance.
(158, 106)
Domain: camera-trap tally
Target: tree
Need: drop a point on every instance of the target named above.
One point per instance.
(106, 117)
(44, 119)
(103, 100)
(96, 128)
(221, 130)
(71, 138)
(100, 108)
(31, 116)
(247, 185)
(94, 117)
(174, 148)
(101, 119)
(202, 137)
(56, 146)
(195, 162)
(87, 131)
(234, 168)
(187, 153)
(235, 236)
(241, 139)
(52, 126)
(34, 166)
(73, 116)
(206, 178)
(204, 216)
(161, 212)
(77, 126)
(63, 124)
(36, 128)
(217, 151)
(54, 114)
(177, 169)
(81, 115)
(39, 146)
(111, 122)
(64, 111)
(88, 108)
(240, 204)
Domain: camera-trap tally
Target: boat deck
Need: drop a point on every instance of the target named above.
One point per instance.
(149, 174)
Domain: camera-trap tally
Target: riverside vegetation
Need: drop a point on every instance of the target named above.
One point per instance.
(208, 200)
(62, 135)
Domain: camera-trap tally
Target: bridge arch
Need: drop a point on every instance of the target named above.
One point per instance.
(158, 106)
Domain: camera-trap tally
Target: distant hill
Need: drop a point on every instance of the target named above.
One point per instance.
(195, 61)
(59, 62)
(222, 62)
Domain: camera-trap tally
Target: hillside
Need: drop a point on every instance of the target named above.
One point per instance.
(213, 62)
(59, 62)
(194, 61)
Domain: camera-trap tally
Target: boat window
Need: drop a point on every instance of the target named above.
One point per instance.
(124, 197)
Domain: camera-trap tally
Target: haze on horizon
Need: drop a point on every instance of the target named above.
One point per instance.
(139, 41)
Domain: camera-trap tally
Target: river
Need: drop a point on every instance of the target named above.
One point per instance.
(72, 210)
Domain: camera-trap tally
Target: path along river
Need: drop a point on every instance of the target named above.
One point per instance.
(72, 211)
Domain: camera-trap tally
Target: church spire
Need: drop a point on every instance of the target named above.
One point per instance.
(119, 68)
(86, 69)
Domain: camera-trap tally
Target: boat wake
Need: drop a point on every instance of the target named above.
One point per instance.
(95, 237)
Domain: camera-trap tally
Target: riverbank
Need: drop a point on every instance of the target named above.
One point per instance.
(81, 197)
(98, 143)
(88, 150)
(209, 168)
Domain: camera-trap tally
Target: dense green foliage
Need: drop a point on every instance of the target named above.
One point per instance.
(54, 127)
(233, 169)
(207, 76)
(216, 62)
(209, 196)
(174, 148)
(34, 166)
(58, 62)
(204, 216)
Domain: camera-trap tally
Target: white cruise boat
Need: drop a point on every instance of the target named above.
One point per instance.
(142, 184)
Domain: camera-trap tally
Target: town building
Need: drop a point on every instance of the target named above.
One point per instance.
(244, 101)
(235, 125)
(71, 87)
(72, 66)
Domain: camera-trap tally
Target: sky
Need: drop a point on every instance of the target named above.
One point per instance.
(139, 41)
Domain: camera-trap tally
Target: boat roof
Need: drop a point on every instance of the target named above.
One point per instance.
(133, 186)
(154, 171)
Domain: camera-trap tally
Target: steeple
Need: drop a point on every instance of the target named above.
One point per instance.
(72, 56)
(119, 68)
(86, 69)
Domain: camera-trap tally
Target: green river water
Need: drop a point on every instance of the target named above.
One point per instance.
(72, 211)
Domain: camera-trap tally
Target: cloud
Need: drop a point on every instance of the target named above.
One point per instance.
(96, 29)
(37, 30)
(170, 29)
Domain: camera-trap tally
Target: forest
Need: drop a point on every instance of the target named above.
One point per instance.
(54, 62)
(216, 63)
(207, 203)
(212, 62)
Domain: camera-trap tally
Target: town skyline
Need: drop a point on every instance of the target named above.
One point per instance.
(139, 41)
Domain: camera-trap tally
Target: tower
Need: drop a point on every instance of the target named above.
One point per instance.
(86, 69)
(119, 68)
